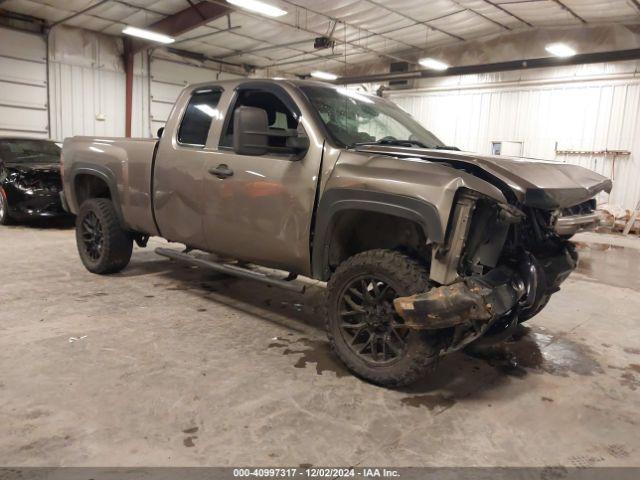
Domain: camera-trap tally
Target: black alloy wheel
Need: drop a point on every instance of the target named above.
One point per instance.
(92, 236)
(369, 324)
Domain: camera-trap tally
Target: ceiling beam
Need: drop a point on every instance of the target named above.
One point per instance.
(81, 12)
(354, 44)
(425, 23)
(566, 8)
(545, 62)
(501, 25)
(194, 16)
(500, 7)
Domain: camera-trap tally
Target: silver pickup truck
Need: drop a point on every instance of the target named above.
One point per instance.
(425, 248)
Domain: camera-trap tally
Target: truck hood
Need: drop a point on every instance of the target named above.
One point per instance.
(537, 183)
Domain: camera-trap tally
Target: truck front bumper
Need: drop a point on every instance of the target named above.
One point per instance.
(478, 301)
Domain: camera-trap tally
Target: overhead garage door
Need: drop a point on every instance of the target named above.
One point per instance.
(23, 84)
(168, 78)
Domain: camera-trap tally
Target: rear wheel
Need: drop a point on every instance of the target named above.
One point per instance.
(5, 219)
(362, 325)
(103, 245)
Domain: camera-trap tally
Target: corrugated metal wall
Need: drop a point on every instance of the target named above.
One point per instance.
(87, 84)
(557, 112)
(23, 84)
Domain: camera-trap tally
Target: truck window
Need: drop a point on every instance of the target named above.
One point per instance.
(279, 116)
(201, 110)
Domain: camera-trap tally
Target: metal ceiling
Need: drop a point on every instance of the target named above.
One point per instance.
(365, 31)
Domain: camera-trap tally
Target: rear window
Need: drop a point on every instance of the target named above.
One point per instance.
(197, 119)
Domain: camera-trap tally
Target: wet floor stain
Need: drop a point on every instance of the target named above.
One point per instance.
(630, 381)
(430, 401)
(609, 264)
(539, 352)
(314, 353)
(188, 441)
(617, 451)
(585, 461)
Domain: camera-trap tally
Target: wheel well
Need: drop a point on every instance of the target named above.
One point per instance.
(355, 231)
(88, 186)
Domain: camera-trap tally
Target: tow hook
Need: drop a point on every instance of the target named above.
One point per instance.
(474, 299)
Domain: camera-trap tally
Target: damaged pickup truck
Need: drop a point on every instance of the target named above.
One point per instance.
(425, 248)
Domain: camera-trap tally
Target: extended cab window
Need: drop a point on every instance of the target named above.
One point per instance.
(279, 116)
(197, 119)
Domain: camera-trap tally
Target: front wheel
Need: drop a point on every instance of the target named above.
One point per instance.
(103, 245)
(363, 327)
(5, 219)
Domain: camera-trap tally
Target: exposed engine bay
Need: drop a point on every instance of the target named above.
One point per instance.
(498, 267)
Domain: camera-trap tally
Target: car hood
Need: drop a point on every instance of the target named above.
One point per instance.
(536, 183)
(33, 168)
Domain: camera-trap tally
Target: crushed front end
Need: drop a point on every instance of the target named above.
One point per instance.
(33, 192)
(498, 267)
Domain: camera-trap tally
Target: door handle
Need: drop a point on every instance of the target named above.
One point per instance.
(221, 171)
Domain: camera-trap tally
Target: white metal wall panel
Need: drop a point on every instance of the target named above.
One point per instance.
(140, 100)
(87, 84)
(23, 84)
(168, 78)
(585, 116)
(86, 101)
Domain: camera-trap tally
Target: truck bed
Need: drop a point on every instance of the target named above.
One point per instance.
(126, 165)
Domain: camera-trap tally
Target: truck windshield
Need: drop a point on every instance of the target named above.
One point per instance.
(29, 151)
(353, 118)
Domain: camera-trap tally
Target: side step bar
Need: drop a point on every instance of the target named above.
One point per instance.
(231, 270)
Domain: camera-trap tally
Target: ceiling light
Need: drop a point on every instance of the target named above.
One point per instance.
(560, 50)
(433, 64)
(148, 35)
(324, 75)
(259, 7)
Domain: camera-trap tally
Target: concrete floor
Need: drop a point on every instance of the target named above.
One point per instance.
(165, 365)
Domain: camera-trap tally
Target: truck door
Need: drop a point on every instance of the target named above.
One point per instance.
(259, 208)
(179, 167)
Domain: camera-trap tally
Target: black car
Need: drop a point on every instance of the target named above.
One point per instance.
(30, 181)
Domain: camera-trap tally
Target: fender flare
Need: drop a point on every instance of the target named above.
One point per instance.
(334, 201)
(104, 174)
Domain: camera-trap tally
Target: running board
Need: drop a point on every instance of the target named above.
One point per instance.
(231, 270)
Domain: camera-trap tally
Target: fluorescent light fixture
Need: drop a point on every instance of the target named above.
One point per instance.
(560, 50)
(355, 95)
(324, 75)
(433, 64)
(147, 35)
(259, 7)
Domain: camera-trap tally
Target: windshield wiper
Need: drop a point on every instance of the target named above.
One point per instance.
(446, 147)
(399, 143)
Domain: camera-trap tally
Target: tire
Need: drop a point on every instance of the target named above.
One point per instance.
(396, 275)
(103, 245)
(5, 218)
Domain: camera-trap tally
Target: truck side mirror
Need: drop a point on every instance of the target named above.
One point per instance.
(160, 132)
(250, 126)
